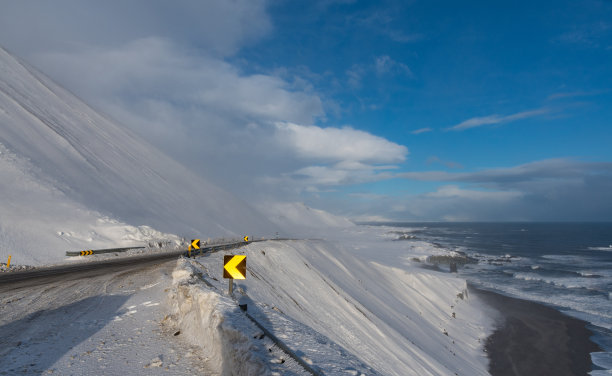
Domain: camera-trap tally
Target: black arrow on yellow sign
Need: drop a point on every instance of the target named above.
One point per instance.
(86, 253)
(246, 238)
(195, 244)
(234, 266)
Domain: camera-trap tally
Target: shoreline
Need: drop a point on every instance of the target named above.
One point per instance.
(534, 339)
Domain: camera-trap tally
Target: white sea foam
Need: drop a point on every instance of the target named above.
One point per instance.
(592, 309)
(571, 282)
(608, 248)
(603, 360)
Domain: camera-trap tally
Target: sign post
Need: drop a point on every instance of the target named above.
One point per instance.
(234, 267)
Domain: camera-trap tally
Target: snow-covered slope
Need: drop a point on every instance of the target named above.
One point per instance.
(295, 216)
(361, 303)
(38, 221)
(65, 167)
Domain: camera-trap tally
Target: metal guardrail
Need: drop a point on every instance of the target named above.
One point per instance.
(267, 332)
(196, 252)
(215, 248)
(100, 251)
(284, 347)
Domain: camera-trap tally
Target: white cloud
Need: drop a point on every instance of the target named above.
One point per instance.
(386, 65)
(448, 164)
(240, 130)
(339, 144)
(343, 155)
(382, 66)
(336, 175)
(545, 170)
(217, 28)
(155, 69)
(454, 192)
(421, 130)
(355, 76)
(497, 119)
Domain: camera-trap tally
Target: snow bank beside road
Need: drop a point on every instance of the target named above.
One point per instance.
(215, 323)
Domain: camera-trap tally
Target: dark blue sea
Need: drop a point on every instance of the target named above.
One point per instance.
(565, 265)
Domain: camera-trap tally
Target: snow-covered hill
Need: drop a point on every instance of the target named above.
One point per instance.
(290, 216)
(72, 178)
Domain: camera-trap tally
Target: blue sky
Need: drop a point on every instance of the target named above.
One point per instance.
(399, 110)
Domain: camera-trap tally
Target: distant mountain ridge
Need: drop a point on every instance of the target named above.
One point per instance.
(105, 168)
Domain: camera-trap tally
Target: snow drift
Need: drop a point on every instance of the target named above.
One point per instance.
(215, 324)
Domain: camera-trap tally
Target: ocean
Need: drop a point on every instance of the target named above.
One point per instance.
(564, 265)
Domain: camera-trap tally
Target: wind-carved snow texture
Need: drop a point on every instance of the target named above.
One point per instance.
(64, 159)
(290, 216)
(361, 310)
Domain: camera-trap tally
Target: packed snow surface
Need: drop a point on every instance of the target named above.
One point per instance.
(109, 324)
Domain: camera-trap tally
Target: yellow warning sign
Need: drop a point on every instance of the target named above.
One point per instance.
(195, 244)
(234, 266)
(246, 238)
(86, 253)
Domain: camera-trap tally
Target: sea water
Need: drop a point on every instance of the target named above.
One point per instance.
(565, 265)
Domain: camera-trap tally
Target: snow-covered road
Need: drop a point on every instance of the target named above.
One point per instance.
(110, 323)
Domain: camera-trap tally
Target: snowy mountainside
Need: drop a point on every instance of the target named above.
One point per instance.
(290, 216)
(90, 164)
(38, 221)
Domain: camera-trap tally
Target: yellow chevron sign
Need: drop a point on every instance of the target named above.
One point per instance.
(234, 266)
(195, 244)
(86, 253)
(246, 238)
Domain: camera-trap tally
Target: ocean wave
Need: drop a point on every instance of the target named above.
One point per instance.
(608, 248)
(570, 283)
(590, 275)
(590, 309)
(562, 273)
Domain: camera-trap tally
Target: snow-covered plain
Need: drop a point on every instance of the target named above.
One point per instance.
(350, 300)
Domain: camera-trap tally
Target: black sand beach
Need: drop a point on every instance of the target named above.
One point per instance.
(536, 340)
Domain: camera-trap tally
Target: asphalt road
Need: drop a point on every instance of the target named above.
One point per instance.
(40, 276)
(44, 275)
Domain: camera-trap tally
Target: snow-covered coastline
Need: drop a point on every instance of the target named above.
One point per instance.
(363, 302)
(73, 180)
